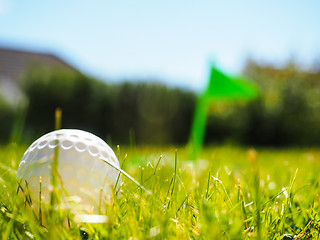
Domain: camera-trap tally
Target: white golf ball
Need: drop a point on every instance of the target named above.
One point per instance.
(87, 178)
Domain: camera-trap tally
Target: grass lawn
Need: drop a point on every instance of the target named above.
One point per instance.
(229, 193)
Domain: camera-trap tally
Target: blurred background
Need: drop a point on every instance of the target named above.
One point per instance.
(131, 72)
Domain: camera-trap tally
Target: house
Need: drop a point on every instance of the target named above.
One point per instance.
(15, 63)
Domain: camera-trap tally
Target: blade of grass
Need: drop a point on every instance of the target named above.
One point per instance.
(208, 186)
(224, 191)
(174, 176)
(155, 170)
(40, 209)
(118, 178)
(185, 199)
(55, 198)
(124, 173)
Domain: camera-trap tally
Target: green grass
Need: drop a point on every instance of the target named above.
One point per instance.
(229, 193)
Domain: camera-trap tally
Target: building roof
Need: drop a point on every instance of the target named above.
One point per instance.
(13, 63)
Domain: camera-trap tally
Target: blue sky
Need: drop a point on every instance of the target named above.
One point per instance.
(171, 41)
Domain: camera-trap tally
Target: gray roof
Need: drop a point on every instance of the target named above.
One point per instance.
(13, 63)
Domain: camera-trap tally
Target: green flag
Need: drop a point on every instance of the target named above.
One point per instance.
(224, 88)
(220, 88)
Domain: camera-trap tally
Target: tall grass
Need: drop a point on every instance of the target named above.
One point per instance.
(229, 193)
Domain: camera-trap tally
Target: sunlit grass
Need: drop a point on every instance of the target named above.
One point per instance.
(228, 193)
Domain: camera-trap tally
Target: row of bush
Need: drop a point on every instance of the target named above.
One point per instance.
(287, 111)
(122, 113)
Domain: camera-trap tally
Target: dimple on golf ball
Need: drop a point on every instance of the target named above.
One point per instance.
(82, 167)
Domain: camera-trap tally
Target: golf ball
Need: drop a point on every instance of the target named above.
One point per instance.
(83, 168)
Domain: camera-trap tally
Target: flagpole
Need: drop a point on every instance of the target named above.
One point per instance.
(198, 126)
